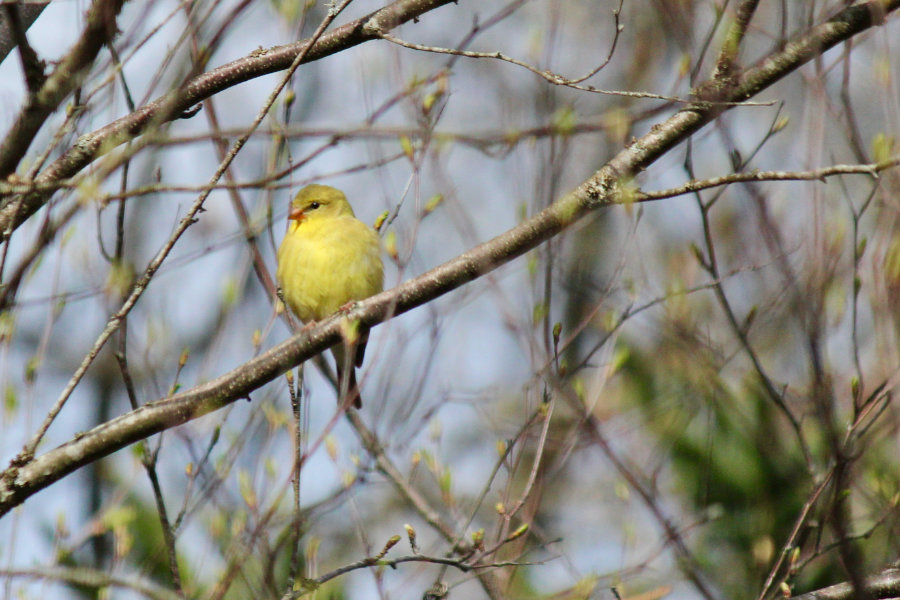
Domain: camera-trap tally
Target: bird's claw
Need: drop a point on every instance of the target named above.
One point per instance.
(347, 307)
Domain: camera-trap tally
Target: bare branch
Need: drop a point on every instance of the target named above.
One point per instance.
(884, 585)
(93, 578)
(555, 78)
(726, 63)
(822, 174)
(28, 14)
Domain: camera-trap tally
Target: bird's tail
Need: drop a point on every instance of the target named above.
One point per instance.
(348, 390)
(352, 388)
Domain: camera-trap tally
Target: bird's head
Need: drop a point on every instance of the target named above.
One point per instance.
(317, 202)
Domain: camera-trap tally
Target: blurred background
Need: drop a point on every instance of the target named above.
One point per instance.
(688, 398)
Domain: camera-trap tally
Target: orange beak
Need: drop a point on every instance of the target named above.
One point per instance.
(296, 214)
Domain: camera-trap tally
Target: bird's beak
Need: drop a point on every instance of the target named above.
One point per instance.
(296, 214)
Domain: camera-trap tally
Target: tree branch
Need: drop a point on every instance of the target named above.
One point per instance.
(92, 578)
(28, 14)
(884, 585)
(821, 174)
(32, 66)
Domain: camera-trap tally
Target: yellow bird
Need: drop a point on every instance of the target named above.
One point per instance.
(329, 258)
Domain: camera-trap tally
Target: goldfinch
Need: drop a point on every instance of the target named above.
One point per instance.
(327, 259)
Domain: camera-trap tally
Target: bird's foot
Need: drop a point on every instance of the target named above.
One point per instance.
(347, 307)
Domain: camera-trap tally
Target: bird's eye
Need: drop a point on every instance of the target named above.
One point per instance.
(314, 205)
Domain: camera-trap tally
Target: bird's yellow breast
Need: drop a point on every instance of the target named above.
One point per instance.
(325, 263)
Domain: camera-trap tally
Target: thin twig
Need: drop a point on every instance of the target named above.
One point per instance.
(556, 79)
(872, 169)
(92, 578)
(726, 65)
(456, 563)
(546, 411)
